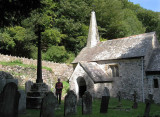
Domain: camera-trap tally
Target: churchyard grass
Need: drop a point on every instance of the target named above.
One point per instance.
(65, 87)
(126, 104)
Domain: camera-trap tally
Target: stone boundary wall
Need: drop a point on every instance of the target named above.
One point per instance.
(61, 70)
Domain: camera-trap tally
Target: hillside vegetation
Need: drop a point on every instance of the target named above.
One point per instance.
(65, 25)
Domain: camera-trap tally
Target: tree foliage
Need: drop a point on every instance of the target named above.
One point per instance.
(66, 23)
(56, 54)
(14, 11)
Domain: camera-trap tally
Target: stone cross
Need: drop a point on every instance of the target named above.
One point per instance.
(9, 100)
(49, 103)
(135, 104)
(87, 103)
(39, 62)
(148, 105)
(70, 103)
(105, 101)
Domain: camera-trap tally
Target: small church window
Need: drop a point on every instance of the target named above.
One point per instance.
(115, 70)
(156, 85)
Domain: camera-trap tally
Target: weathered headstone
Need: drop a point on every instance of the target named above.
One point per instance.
(119, 99)
(87, 103)
(119, 96)
(22, 102)
(2, 84)
(5, 78)
(79, 103)
(135, 104)
(49, 103)
(10, 100)
(28, 85)
(105, 101)
(6, 75)
(148, 105)
(12, 80)
(70, 104)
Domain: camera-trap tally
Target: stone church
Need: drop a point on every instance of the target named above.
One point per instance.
(126, 64)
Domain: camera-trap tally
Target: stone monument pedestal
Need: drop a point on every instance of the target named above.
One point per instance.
(35, 95)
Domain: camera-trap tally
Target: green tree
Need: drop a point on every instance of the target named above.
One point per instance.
(14, 40)
(149, 19)
(56, 54)
(115, 20)
(73, 20)
(13, 11)
(131, 26)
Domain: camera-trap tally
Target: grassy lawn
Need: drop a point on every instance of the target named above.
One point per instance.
(155, 110)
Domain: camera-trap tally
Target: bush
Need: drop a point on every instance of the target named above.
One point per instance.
(56, 54)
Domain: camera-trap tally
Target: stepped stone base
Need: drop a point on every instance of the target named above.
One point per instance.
(35, 95)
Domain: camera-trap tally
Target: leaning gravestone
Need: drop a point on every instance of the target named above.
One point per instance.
(148, 105)
(87, 103)
(22, 102)
(105, 101)
(49, 103)
(70, 103)
(28, 85)
(10, 99)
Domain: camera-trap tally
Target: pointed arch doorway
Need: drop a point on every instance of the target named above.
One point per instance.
(81, 86)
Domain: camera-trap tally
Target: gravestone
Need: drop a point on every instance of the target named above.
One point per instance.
(49, 103)
(5, 78)
(70, 103)
(5, 75)
(28, 85)
(22, 102)
(79, 103)
(135, 104)
(2, 84)
(12, 80)
(119, 99)
(10, 99)
(105, 101)
(148, 105)
(87, 103)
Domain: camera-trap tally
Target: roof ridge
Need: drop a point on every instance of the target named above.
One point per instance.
(131, 36)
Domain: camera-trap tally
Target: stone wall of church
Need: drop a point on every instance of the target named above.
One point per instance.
(152, 84)
(78, 74)
(129, 79)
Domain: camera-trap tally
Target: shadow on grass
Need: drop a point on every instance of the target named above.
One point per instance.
(129, 112)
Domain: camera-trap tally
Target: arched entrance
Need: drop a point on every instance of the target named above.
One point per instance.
(82, 86)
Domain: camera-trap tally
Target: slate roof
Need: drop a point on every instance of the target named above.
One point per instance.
(95, 72)
(154, 64)
(128, 47)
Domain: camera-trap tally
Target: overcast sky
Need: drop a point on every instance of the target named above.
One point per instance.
(153, 5)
